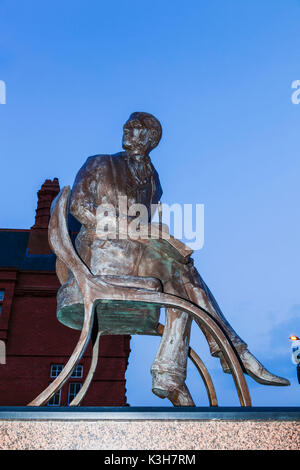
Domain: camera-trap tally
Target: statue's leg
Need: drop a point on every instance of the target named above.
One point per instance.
(198, 296)
(199, 293)
(169, 367)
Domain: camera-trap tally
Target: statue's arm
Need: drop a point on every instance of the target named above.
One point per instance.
(85, 192)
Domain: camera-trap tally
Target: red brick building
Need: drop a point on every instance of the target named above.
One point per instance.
(37, 345)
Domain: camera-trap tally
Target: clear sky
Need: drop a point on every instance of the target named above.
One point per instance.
(218, 75)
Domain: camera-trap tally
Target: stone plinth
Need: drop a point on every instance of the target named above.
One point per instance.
(150, 428)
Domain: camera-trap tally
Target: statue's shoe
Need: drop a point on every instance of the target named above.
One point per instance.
(255, 370)
(166, 385)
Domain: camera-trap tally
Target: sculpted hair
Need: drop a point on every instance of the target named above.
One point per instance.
(151, 123)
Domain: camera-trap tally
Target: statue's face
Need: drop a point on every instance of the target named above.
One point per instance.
(136, 137)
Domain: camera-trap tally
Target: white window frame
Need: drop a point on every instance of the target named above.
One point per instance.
(71, 396)
(77, 372)
(52, 398)
(53, 376)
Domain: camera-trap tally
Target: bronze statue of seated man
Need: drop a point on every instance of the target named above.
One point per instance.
(102, 181)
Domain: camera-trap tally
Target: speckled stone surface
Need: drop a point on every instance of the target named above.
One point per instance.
(150, 435)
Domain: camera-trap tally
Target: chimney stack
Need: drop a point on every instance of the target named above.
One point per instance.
(38, 238)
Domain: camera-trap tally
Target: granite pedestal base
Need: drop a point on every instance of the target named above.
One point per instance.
(150, 428)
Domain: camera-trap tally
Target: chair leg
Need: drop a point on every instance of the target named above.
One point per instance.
(211, 392)
(56, 385)
(82, 392)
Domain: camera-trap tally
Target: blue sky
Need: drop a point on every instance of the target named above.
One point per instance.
(218, 75)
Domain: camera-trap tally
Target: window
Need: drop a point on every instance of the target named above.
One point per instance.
(77, 372)
(2, 292)
(56, 370)
(73, 390)
(55, 400)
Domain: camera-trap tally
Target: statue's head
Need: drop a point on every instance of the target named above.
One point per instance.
(142, 133)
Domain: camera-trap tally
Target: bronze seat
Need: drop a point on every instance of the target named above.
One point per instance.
(123, 317)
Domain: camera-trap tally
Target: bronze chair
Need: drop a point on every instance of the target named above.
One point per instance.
(124, 305)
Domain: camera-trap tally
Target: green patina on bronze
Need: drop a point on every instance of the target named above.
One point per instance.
(115, 317)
